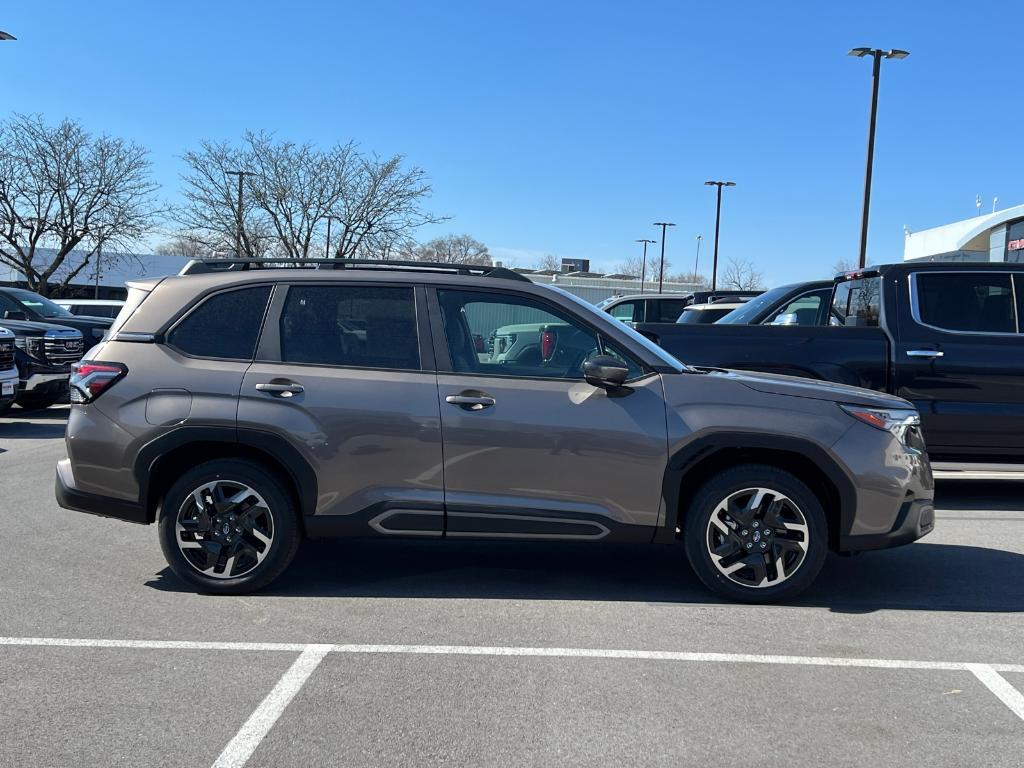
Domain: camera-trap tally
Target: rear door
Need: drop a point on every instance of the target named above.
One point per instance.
(530, 449)
(345, 374)
(960, 360)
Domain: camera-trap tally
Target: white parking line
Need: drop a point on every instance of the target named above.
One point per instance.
(240, 748)
(253, 731)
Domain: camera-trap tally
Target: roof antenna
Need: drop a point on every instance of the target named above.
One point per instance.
(977, 204)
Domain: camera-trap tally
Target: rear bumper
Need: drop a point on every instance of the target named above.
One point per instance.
(69, 497)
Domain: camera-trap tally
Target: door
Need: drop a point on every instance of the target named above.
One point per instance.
(530, 449)
(960, 360)
(341, 374)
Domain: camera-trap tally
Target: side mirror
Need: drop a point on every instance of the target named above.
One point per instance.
(787, 318)
(605, 371)
(15, 314)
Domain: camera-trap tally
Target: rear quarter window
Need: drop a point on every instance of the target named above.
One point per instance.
(225, 325)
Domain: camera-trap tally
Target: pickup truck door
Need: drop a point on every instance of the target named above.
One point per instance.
(959, 357)
(530, 449)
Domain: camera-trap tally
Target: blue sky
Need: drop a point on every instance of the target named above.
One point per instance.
(568, 128)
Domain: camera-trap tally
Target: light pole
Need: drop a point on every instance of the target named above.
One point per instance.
(238, 214)
(718, 222)
(696, 262)
(643, 263)
(6, 36)
(876, 55)
(661, 266)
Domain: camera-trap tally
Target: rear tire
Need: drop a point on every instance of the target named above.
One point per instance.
(228, 526)
(756, 534)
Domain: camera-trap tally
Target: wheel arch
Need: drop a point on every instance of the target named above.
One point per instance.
(690, 467)
(161, 461)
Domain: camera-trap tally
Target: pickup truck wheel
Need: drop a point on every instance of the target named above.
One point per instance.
(228, 527)
(756, 534)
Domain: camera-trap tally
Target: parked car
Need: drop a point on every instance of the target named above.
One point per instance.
(796, 304)
(8, 371)
(283, 422)
(704, 314)
(43, 354)
(944, 336)
(91, 307)
(22, 304)
(663, 307)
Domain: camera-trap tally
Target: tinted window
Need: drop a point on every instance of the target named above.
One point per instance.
(354, 325)
(225, 325)
(628, 311)
(964, 301)
(670, 309)
(858, 302)
(514, 336)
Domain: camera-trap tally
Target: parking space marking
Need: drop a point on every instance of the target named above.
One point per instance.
(240, 748)
(1000, 686)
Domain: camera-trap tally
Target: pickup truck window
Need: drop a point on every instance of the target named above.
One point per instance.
(976, 302)
(803, 310)
(629, 311)
(858, 302)
(669, 310)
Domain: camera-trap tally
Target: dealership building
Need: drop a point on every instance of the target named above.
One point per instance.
(997, 236)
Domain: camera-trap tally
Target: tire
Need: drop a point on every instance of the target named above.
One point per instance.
(31, 401)
(774, 513)
(228, 514)
(5, 407)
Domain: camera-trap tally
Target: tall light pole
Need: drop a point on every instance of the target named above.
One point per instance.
(238, 214)
(876, 55)
(661, 266)
(696, 262)
(718, 223)
(643, 263)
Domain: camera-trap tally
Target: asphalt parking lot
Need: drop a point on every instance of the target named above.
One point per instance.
(480, 654)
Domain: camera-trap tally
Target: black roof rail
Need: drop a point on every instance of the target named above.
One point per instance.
(196, 266)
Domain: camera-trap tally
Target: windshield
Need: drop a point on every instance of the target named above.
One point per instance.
(747, 314)
(603, 318)
(39, 304)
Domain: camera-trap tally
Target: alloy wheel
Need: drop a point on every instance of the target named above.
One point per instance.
(224, 529)
(757, 537)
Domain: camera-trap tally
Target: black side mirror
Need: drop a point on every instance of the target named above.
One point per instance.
(605, 371)
(15, 314)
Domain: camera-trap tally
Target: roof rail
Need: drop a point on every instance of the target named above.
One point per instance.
(196, 266)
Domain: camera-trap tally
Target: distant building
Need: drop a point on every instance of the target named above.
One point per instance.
(111, 277)
(995, 237)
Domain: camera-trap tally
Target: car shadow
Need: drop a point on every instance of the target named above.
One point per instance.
(30, 430)
(922, 576)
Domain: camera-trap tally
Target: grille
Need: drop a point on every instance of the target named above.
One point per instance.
(6, 354)
(67, 349)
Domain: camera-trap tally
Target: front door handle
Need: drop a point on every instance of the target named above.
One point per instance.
(283, 389)
(471, 402)
(926, 354)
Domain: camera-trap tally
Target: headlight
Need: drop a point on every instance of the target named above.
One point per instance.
(30, 345)
(899, 421)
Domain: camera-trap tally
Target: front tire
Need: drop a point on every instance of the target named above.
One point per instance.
(756, 534)
(228, 527)
(31, 401)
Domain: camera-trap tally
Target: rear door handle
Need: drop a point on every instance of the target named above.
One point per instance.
(280, 388)
(926, 354)
(471, 402)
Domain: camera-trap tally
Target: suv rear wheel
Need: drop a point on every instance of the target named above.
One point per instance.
(756, 534)
(228, 526)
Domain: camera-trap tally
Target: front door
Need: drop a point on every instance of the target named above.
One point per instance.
(530, 449)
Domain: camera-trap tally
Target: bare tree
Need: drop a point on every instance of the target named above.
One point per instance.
(842, 265)
(184, 244)
(742, 276)
(65, 194)
(693, 278)
(548, 262)
(455, 249)
(631, 266)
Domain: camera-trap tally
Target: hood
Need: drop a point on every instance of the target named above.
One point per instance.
(793, 386)
(31, 328)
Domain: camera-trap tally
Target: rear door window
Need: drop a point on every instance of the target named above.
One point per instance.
(974, 302)
(360, 326)
(225, 325)
(858, 302)
(669, 310)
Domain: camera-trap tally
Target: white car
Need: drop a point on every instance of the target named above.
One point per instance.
(8, 370)
(91, 307)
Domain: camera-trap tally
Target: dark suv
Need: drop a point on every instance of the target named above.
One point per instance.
(244, 410)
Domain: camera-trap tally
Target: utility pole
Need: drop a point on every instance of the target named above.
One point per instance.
(696, 262)
(643, 263)
(661, 266)
(99, 262)
(876, 55)
(238, 213)
(718, 223)
(327, 251)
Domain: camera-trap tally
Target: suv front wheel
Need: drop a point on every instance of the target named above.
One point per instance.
(756, 534)
(228, 526)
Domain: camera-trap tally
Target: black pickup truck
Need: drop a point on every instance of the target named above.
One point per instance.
(946, 336)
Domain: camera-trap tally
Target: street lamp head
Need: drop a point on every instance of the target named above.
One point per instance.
(896, 53)
(6, 36)
(663, 224)
(860, 52)
(719, 183)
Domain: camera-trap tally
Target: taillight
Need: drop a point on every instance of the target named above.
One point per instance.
(90, 379)
(547, 345)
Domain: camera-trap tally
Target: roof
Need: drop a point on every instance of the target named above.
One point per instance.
(967, 235)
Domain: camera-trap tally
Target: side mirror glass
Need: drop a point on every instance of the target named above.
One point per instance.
(15, 314)
(605, 371)
(786, 318)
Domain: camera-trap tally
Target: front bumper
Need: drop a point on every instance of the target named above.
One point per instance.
(8, 380)
(915, 519)
(69, 497)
